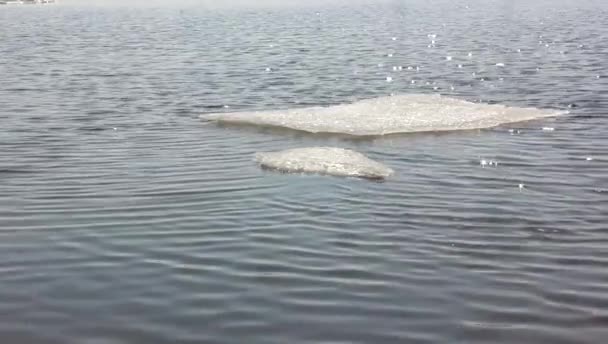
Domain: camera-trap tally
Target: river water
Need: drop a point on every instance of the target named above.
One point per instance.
(124, 218)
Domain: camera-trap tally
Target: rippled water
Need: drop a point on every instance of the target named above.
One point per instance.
(124, 219)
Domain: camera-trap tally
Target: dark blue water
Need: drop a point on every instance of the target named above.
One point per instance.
(125, 219)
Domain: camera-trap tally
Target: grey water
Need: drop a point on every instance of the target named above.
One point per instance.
(126, 219)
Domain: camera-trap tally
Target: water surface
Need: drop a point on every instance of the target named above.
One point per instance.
(125, 219)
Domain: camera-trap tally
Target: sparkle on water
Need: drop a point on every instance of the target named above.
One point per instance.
(388, 115)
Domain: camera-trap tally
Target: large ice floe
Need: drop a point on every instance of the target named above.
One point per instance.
(388, 115)
(324, 160)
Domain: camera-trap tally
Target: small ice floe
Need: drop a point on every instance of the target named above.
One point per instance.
(268, 69)
(521, 186)
(432, 36)
(514, 131)
(459, 66)
(435, 88)
(589, 158)
(324, 160)
(394, 38)
(548, 129)
(114, 129)
(399, 67)
(500, 64)
(519, 50)
(597, 76)
(395, 68)
(470, 54)
(389, 55)
(413, 82)
(448, 58)
(389, 79)
(410, 67)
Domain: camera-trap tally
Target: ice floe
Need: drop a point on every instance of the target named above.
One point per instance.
(324, 160)
(388, 115)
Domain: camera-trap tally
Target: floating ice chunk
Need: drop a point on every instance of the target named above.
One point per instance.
(389, 79)
(589, 158)
(470, 54)
(387, 115)
(324, 160)
(394, 38)
(548, 129)
(268, 69)
(522, 186)
(448, 58)
(459, 66)
(500, 64)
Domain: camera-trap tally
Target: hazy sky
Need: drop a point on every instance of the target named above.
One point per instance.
(211, 3)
